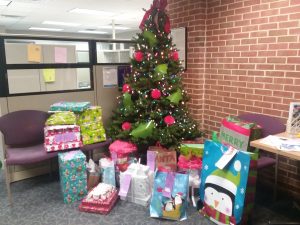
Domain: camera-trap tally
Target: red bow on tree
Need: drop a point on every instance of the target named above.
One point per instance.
(157, 4)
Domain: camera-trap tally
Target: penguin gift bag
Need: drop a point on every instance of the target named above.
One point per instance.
(169, 196)
(223, 183)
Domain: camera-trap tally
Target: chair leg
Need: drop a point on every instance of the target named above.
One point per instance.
(276, 179)
(7, 176)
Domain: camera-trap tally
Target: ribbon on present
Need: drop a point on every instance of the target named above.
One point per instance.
(157, 4)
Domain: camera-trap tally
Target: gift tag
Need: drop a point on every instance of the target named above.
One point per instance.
(226, 158)
(167, 191)
(151, 156)
(124, 187)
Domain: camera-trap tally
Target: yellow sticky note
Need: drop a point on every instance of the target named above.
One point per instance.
(34, 53)
(49, 75)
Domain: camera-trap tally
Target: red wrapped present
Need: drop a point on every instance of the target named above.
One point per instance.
(100, 199)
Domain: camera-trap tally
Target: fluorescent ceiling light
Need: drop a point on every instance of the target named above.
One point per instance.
(92, 12)
(45, 29)
(61, 23)
(116, 27)
(5, 2)
(92, 32)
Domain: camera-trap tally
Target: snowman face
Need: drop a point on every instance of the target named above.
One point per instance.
(219, 200)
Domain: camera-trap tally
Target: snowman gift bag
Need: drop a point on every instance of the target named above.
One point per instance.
(223, 183)
(169, 197)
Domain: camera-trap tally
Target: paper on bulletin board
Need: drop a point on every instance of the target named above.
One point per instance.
(60, 55)
(110, 77)
(49, 75)
(34, 53)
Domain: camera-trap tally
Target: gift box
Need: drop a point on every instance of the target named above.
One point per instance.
(62, 137)
(136, 184)
(61, 118)
(100, 200)
(90, 121)
(120, 152)
(70, 106)
(161, 158)
(93, 174)
(238, 133)
(91, 114)
(93, 136)
(73, 178)
(189, 150)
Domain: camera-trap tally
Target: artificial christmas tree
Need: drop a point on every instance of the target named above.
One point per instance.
(153, 105)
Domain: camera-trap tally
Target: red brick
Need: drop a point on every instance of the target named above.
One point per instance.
(270, 12)
(268, 26)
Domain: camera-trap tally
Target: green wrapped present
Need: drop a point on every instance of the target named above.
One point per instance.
(61, 118)
(93, 136)
(92, 114)
(70, 106)
(86, 127)
(189, 150)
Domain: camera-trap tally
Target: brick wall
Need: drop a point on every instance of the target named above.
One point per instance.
(251, 60)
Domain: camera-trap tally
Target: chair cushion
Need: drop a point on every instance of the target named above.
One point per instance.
(95, 145)
(27, 155)
(263, 162)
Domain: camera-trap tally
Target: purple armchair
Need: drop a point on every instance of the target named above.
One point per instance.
(270, 126)
(23, 136)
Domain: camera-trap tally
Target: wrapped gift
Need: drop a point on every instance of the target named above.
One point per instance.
(107, 167)
(61, 118)
(91, 114)
(120, 152)
(70, 106)
(169, 198)
(100, 200)
(237, 133)
(188, 150)
(93, 136)
(223, 183)
(62, 137)
(73, 178)
(92, 129)
(161, 158)
(136, 184)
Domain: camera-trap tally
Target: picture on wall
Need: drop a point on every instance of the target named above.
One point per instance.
(179, 39)
(293, 124)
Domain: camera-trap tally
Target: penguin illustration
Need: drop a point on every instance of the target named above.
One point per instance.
(220, 190)
(169, 206)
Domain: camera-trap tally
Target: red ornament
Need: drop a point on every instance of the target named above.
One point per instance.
(167, 26)
(126, 126)
(169, 120)
(138, 56)
(155, 94)
(126, 88)
(175, 56)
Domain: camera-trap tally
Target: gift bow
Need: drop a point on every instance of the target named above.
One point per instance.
(157, 4)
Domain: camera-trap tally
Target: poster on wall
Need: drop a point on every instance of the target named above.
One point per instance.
(110, 77)
(293, 123)
(179, 39)
(34, 53)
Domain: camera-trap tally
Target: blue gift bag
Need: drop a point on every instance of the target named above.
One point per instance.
(222, 191)
(169, 196)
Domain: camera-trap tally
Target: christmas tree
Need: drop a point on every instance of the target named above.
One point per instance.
(153, 106)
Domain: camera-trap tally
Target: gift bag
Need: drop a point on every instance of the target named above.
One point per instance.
(169, 196)
(161, 158)
(120, 152)
(93, 173)
(136, 184)
(238, 133)
(223, 183)
(107, 167)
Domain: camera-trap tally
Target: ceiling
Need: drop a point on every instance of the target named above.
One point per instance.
(20, 15)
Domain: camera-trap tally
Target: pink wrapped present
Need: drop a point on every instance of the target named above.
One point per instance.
(100, 199)
(195, 163)
(120, 151)
(62, 137)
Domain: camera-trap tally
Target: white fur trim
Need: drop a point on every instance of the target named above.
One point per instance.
(222, 182)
